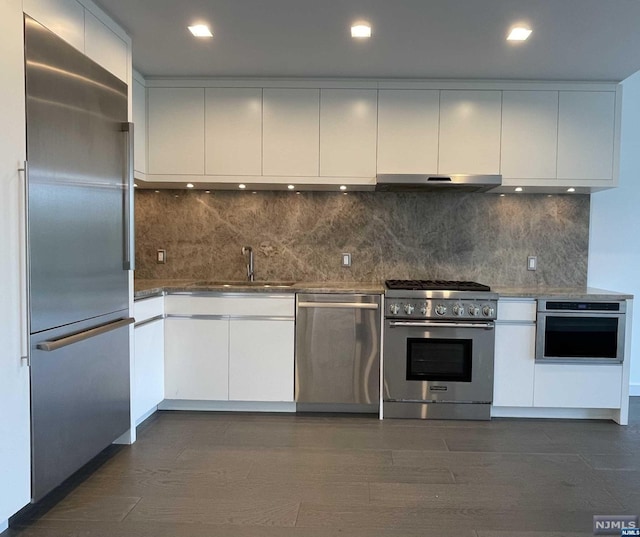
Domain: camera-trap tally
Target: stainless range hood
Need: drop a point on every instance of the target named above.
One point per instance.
(436, 183)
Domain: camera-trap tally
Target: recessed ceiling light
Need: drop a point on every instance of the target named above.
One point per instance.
(519, 189)
(242, 187)
(200, 30)
(343, 187)
(189, 185)
(361, 30)
(571, 189)
(519, 33)
(291, 187)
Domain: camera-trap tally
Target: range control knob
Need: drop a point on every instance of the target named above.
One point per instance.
(458, 310)
(408, 308)
(474, 310)
(424, 309)
(441, 309)
(394, 309)
(488, 311)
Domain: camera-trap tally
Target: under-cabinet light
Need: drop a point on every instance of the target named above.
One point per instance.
(571, 189)
(241, 186)
(291, 187)
(343, 187)
(519, 33)
(189, 185)
(519, 189)
(200, 30)
(361, 30)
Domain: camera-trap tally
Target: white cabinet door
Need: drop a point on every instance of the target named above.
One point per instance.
(176, 131)
(586, 132)
(105, 47)
(65, 18)
(470, 132)
(408, 131)
(578, 386)
(291, 123)
(233, 131)
(348, 130)
(261, 360)
(529, 134)
(140, 127)
(196, 359)
(149, 368)
(15, 447)
(514, 365)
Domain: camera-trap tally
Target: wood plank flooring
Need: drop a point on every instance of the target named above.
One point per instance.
(249, 475)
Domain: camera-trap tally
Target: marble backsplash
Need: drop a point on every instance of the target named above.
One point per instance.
(480, 237)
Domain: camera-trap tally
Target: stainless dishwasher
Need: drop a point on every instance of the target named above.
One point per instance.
(337, 360)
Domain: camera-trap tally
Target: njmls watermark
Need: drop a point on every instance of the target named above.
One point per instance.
(616, 525)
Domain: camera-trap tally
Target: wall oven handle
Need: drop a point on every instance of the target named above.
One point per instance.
(426, 324)
(25, 270)
(77, 338)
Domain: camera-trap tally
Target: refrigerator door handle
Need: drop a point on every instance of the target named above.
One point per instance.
(25, 306)
(128, 205)
(82, 336)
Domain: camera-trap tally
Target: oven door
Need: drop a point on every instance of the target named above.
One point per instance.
(428, 361)
(574, 337)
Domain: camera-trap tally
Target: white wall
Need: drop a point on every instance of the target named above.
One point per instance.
(614, 245)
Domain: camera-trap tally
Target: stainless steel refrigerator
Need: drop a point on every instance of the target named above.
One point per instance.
(80, 251)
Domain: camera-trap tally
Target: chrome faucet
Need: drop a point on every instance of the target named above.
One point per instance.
(248, 250)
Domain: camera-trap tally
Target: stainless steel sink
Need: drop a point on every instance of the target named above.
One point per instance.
(243, 283)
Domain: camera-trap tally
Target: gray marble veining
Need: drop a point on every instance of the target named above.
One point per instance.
(299, 237)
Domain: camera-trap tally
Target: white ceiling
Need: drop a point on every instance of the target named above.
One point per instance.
(571, 40)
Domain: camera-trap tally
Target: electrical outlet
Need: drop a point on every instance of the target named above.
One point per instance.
(532, 262)
(161, 256)
(346, 260)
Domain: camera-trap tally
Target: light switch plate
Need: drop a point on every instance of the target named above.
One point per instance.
(532, 262)
(161, 256)
(346, 260)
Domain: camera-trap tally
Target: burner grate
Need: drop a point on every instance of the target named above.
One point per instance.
(436, 285)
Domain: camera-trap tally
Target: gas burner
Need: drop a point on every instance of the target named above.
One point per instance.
(436, 285)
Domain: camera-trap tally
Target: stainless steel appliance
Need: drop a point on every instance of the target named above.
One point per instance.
(80, 250)
(580, 331)
(439, 342)
(437, 183)
(337, 358)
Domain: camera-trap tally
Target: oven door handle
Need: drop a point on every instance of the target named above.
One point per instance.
(418, 324)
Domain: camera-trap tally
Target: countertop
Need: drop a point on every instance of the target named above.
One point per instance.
(149, 288)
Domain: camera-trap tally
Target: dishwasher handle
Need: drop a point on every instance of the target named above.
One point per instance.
(56, 344)
(339, 305)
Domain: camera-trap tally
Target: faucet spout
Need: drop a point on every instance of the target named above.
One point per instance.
(247, 250)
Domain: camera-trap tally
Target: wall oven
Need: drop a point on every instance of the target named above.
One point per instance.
(581, 331)
(438, 354)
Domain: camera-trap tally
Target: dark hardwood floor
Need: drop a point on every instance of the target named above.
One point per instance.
(250, 475)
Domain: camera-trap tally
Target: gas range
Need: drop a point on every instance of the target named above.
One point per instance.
(439, 299)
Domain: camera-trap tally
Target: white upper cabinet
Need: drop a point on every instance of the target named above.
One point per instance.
(586, 135)
(529, 134)
(348, 132)
(470, 124)
(65, 18)
(176, 131)
(291, 132)
(233, 132)
(105, 47)
(139, 127)
(408, 131)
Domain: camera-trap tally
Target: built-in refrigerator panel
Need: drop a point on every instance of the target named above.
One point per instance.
(76, 149)
(80, 402)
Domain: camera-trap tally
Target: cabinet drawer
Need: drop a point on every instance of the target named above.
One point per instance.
(227, 305)
(148, 308)
(516, 310)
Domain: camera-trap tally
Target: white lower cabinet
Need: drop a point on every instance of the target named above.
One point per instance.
(196, 359)
(229, 348)
(514, 365)
(578, 386)
(261, 360)
(148, 369)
